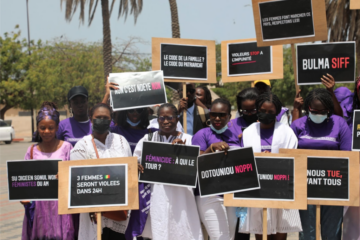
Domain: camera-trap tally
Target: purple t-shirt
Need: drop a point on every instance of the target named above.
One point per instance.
(328, 135)
(131, 135)
(266, 136)
(282, 112)
(237, 125)
(205, 137)
(72, 131)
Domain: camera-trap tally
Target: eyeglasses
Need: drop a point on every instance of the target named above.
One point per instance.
(138, 110)
(169, 118)
(321, 112)
(247, 112)
(217, 114)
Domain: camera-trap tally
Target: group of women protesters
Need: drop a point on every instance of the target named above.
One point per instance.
(178, 213)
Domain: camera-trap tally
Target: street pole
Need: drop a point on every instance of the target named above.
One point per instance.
(28, 28)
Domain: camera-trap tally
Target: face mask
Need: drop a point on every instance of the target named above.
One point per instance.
(250, 118)
(266, 118)
(317, 118)
(131, 123)
(220, 131)
(101, 125)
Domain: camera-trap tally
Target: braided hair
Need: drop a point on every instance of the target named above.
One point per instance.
(323, 96)
(356, 101)
(269, 97)
(121, 117)
(246, 94)
(99, 105)
(168, 105)
(222, 101)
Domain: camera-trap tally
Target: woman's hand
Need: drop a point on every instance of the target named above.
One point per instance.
(266, 151)
(298, 101)
(183, 104)
(220, 146)
(178, 141)
(328, 81)
(93, 217)
(25, 202)
(140, 168)
(240, 136)
(111, 86)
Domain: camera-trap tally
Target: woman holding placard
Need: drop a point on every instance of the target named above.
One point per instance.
(41, 220)
(320, 129)
(173, 213)
(219, 221)
(268, 135)
(247, 110)
(102, 144)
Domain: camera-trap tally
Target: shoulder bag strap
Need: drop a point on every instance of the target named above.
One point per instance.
(94, 145)
(32, 151)
(201, 112)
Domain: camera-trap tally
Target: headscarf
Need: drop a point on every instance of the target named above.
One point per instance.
(48, 113)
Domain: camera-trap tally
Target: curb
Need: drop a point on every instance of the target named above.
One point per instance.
(18, 140)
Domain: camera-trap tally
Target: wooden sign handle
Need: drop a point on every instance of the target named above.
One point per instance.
(99, 228)
(318, 225)
(184, 112)
(264, 224)
(294, 66)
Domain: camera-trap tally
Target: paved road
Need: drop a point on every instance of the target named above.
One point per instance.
(11, 213)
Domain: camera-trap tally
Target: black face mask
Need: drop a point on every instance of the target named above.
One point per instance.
(266, 118)
(250, 118)
(101, 125)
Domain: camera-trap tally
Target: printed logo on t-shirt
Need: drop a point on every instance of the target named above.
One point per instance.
(332, 139)
(73, 139)
(132, 144)
(266, 147)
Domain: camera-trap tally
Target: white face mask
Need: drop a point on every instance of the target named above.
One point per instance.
(317, 118)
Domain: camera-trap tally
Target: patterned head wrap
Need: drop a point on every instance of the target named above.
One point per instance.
(48, 113)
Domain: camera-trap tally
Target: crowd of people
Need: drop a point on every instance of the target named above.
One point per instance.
(179, 213)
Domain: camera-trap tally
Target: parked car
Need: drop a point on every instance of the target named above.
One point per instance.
(7, 132)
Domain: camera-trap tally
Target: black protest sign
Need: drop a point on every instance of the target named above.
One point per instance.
(356, 131)
(246, 58)
(276, 177)
(328, 178)
(33, 179)
(286, 19)
(316, 60)
(220, 174)
(137, 90)
(184, 61)
(98, 185)
(169, 164)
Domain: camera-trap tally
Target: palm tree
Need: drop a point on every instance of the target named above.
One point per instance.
(343, 24)
(175, 27)
(72, 6)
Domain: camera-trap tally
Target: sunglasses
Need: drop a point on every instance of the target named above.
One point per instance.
(191, 91)
(217, 114)
(247, 112)
(321, 112)
(138, 110)
(163, 118)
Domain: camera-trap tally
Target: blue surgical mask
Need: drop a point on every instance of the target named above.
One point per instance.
(317, 118)
(131, 123)
(220, 131)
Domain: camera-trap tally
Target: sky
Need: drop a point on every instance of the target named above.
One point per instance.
(199, 19)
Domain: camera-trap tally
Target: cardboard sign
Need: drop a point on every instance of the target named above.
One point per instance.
(184, 60)
(243, 60)
(137, 90)
(315, 60)
(32, 179)
(354, 4)
(355, 146)
(328, 178)
(220, 174)
(276, 177)
(283, 183)
(287, 21)
(169, 164)
(98, 185)
(332, 176)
